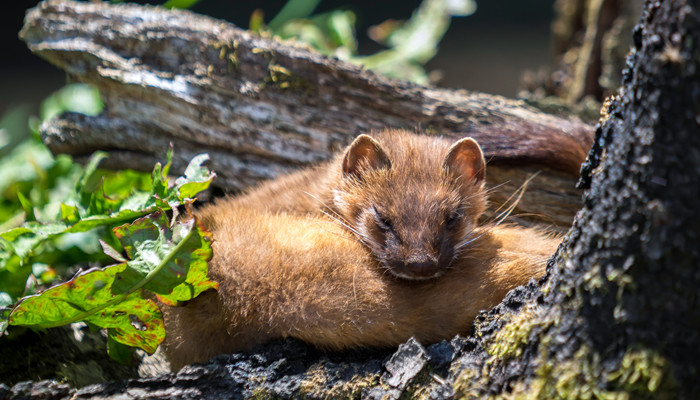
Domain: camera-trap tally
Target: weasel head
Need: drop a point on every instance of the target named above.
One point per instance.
(414, 203)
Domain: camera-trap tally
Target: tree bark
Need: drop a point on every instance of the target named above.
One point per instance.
(261, 107)
(617, 314)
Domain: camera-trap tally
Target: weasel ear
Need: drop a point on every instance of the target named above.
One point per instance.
(465, 159)
(364, 154)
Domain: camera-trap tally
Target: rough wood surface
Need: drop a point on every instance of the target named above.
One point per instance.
(261, 107)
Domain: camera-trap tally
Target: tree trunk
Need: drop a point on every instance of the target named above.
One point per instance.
(617, 314)
(261, 107)
(590, 41)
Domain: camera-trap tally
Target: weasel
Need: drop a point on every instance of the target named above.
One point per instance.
(412, 200)
(378, 245)
(283, 275)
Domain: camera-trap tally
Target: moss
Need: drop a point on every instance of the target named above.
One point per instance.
(261, 393)
(643, 374)
(468, 382)
(282, 78)
(317, 384)
(593, 279)
(279, 75)
(229, 52)
(420, 386)
(642, 371)
(513, 336)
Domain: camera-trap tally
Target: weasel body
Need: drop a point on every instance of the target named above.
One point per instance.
(284, 275)
(412, 200)
(376, 246)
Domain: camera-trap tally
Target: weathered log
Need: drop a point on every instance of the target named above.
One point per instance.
(261, 107)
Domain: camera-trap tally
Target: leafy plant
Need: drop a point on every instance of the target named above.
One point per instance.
(57, 217)
(169, 260)
(410, 44)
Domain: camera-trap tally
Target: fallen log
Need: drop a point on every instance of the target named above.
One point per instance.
(261, 107)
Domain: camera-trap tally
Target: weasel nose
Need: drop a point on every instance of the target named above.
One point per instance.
(422, 269)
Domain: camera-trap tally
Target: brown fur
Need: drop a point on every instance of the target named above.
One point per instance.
(282, 275)
(415, 181)
(398, 253)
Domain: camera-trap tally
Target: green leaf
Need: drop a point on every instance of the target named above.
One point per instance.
(112, 252)
(119, 352)
(196, 253)
(69, 214)
(4, 315)
(293, 9)
(168, 160)
(87, 184)
(5, 302)
(130, 319)
(180, 3)
(13, 276)
(197, 178)
(27, 206)
(149, 244)
(24, 240)
(160, 181)
(78, 97)
(126, 183)
(175, 258)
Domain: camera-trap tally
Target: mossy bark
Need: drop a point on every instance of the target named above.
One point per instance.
(618, 314)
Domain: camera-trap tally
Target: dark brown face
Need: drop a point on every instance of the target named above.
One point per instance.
(415, 215)
(415, 235)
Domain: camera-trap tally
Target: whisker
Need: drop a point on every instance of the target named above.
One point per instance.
(492, 188)
(518, 194)
(471, 239)
(343, 223)
(322, 203)
(467, 242)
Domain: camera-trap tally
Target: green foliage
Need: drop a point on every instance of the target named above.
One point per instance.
(176, 255)
(180, 3)
(410, 44)
(166, 260)
(58, 216)
(171, 3)
(78, 97)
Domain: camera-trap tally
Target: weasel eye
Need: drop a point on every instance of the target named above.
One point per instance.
(452, 221)
(383, 222)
